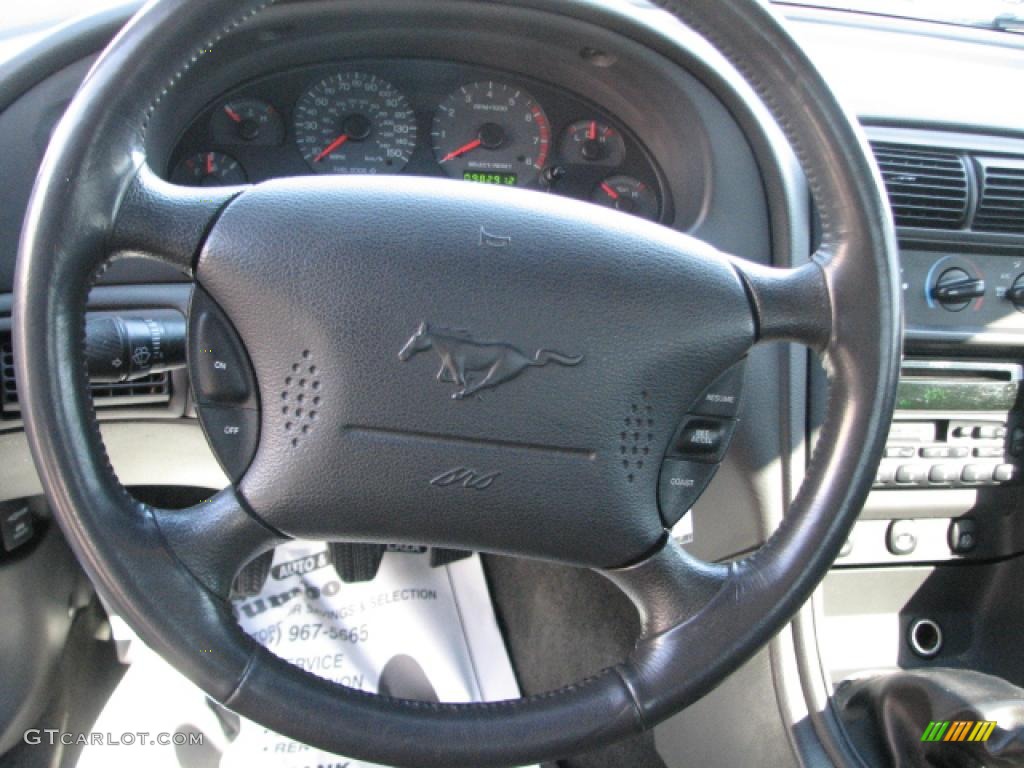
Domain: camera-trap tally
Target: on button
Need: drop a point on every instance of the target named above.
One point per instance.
(221, 374)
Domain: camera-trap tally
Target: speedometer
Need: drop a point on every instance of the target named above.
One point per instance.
(353, 122)
(492, 132)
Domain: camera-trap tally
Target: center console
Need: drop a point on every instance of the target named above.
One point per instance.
(930, 577)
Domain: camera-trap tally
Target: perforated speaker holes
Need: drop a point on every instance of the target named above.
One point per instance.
(636, 438)
(301, 398)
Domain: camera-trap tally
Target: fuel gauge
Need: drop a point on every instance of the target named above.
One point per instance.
(592, 142)
(209, 169)
(248, 121)
(629, 195)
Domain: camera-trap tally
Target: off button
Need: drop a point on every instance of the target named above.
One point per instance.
(234, 434)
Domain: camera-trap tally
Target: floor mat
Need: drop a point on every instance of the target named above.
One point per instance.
(413, 632)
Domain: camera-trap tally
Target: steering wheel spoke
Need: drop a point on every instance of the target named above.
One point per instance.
(215, 539)
(789, 304)
(669, 587)
(164, 221)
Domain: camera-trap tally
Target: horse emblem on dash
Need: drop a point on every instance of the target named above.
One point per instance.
(477, 365)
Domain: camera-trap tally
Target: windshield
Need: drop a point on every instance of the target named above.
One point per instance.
(975, 13)
(23, 22)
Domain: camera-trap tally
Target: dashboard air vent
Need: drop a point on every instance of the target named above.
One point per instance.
(1001, 206)
(151, 390)
(927, 187)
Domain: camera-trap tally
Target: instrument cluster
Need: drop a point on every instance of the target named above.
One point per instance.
(423, 117)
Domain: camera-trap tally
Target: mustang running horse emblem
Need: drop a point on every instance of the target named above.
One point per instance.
(477, 365)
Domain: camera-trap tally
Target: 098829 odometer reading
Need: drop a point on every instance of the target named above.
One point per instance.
(354, 122)
(492, 129)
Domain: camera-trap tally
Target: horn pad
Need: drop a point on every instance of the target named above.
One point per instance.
(466, 371)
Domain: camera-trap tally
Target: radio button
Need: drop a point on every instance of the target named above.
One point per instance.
(989, 452)
(900, 452)
(901, 538)
(963, 535)
(909, 474)
(1004, 473)
(977, 473)
(942, 474)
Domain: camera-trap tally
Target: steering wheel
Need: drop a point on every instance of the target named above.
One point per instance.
(331, 278)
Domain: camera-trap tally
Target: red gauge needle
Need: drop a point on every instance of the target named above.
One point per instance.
(209, 164)
(592, 133)
(232, 114)
(608, 190)
(331, 147)
(462, 150)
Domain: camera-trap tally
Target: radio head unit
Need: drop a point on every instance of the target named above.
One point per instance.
(957, 425)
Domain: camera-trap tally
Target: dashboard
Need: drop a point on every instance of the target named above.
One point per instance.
(424, 117)
(569, 109)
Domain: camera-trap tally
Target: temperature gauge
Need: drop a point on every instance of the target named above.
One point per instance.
(248, 121)
(209, 169)
(629, 195)
(591, 142)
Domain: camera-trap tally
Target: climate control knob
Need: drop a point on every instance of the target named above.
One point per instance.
(955, 289)
(1015, 293)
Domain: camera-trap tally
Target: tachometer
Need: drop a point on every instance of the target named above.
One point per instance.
(353, 122)
(493, 132)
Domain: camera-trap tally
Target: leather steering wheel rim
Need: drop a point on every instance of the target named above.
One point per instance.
(163, 571)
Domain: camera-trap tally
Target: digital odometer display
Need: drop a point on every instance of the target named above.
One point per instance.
(502, 179)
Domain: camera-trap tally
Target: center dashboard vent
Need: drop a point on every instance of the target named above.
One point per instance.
(1001, 205)
(927, 188)
(151, 390)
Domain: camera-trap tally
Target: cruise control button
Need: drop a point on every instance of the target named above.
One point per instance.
(222, 375)
(16, 526)
(704, 439)
(234, 435)
(680, 485)
(723, 397)
(977, 473)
